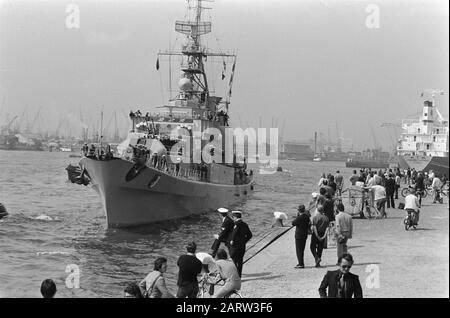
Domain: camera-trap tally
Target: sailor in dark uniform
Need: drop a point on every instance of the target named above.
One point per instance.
(225, 232)
(239, 237)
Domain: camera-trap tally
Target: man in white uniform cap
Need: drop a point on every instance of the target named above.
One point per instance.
(225, 231)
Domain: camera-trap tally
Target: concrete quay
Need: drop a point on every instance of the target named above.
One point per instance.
(390, 261)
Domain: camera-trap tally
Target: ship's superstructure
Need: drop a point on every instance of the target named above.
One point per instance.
(424, 142)
(427, 136)
(174, 162)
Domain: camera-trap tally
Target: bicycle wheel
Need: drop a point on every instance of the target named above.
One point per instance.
(406, 221)
(375, 213)
(424, 194)
(367, 212)
(202, 290)
(405, 192)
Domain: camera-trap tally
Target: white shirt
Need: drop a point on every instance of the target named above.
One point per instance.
(436, 183)
(412, 202)
(359, 184)
(321, 182)
(280, 215)
(377, 178)
(314, 214)
(344, 224)
(379, 192)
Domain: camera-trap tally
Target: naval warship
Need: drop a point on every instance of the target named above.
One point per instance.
(158, 173)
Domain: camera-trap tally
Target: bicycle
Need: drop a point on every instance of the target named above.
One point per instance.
(410, 220)
(208, 282)
(368, 207)
(438, 196)
(444, 189)
(406, 191)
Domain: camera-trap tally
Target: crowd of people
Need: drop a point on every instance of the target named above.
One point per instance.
(234, 234)
(220, 116)
(99, 153)
(325, 217)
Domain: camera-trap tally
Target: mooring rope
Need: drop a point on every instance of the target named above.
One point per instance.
(263, 237)
(273, 240)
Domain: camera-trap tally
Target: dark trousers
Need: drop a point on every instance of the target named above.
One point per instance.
(316, 247)
(237, 255)
(396, 191)
(420, 195)
(390, 200)
(190, 290)
(215, 247)
(300, 244)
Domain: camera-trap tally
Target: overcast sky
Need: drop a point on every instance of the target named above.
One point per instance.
(310, 63)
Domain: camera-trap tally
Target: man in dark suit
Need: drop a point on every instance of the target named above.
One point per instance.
(390, 190)
(328, 207)
(302, 224)
(341, 283)
(239, 237)
(225, 232)
(420, 185)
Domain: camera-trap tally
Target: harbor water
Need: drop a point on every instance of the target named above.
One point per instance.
(53, 224)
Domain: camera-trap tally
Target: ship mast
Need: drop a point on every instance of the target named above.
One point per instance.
(433, 93)
(193, 84)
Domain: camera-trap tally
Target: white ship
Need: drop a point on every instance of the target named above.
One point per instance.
(424, 142)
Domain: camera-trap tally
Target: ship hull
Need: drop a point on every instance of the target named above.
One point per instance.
(297, 156)
(374, 164)
(154, 196)
(440, 165)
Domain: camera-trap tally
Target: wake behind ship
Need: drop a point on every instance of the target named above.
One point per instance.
(159, 174)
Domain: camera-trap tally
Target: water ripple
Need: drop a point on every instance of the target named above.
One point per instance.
(35, 183)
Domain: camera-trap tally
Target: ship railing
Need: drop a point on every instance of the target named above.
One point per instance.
(192, 49)
(161, 118)
(176, 171)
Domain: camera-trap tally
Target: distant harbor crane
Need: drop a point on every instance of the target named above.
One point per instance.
(6, 128)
